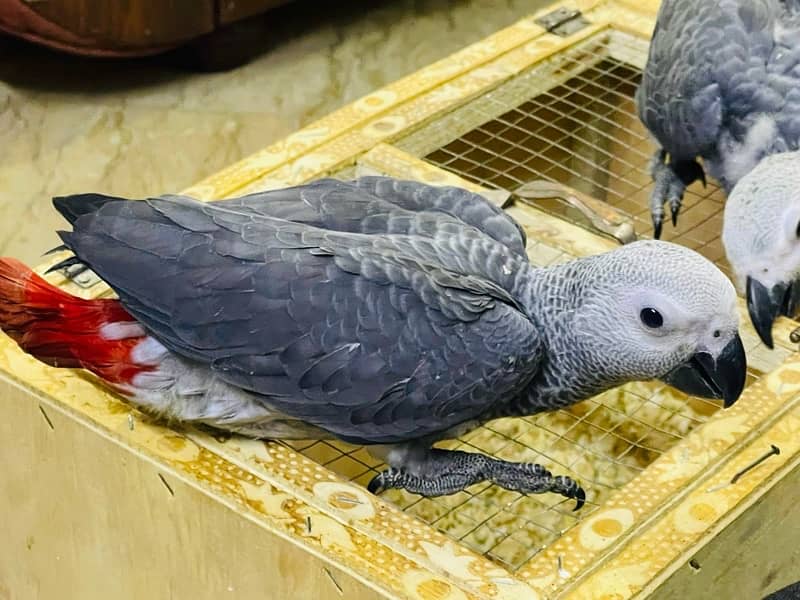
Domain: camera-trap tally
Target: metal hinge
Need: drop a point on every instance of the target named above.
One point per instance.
(563, 21)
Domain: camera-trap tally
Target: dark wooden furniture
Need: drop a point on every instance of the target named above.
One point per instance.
(124, 28)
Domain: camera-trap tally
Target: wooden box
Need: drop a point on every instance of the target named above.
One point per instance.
(100, 502)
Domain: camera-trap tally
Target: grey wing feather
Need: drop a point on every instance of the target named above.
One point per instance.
(706, 70)
(374, 338)
(380, 205)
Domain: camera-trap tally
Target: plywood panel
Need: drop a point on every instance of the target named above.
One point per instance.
(85, 518)
(757, 554)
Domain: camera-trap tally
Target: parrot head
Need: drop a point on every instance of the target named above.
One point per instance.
(656, 310)
(761, 234)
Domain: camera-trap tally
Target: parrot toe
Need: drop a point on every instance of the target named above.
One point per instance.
(380, 483)
(658, 222)
(670, 182)
(675, 208)
(444, 472)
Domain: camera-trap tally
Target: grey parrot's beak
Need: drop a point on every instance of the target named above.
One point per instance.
(721, 378)
(764, 305)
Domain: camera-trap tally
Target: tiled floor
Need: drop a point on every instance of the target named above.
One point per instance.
(146, 127)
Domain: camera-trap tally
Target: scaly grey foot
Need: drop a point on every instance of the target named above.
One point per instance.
(443, 472)
(671, 181)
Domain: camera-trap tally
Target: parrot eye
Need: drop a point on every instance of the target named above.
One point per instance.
(651, 318)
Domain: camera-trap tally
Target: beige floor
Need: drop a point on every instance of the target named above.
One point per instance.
(144, 127)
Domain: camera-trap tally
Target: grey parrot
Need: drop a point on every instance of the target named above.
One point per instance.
(722, 83)
(380, 312)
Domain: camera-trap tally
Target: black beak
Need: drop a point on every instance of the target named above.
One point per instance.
(706, 377)
(765, 305)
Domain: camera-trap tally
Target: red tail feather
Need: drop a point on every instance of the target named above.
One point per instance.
(63, 330)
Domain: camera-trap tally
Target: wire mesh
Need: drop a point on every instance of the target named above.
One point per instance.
(582, 132)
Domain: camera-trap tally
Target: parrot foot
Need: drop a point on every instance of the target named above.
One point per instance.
(671, 181)
(444, 472)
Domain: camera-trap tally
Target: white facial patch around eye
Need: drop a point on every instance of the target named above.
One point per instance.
(653, 314)
(778, 264)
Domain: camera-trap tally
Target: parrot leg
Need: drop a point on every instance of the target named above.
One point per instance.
(443, 472)
(671, 180)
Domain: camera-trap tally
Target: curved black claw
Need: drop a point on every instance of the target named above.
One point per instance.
(569, 488)
(658, 222)
(671, 179)
(580, 497)
(380, 483)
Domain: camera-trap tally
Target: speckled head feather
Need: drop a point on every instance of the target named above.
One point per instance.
(762, 222)
(602, 331)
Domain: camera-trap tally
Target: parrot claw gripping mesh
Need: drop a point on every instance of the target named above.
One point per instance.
(722, 83)
(381, 312)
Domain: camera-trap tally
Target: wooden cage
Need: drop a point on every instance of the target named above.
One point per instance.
(99, 501)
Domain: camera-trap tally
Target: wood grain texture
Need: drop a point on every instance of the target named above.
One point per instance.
(130, 23)
(93, 520)
(757, 554)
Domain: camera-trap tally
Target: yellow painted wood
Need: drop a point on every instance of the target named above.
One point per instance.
(89, 518)
(705, 508)
(87, 500)
(755, 555)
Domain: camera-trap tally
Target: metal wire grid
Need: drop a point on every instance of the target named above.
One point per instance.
(603, 442)
(583, 133)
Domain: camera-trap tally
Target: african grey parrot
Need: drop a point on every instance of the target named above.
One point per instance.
(380, 312)
(722, 82)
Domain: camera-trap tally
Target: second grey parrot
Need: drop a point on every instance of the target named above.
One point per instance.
(380, 312)
(722, 83)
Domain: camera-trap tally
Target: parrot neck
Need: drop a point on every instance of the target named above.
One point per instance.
(570, 371)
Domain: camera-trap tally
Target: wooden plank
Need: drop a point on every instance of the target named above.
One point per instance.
(755, 555)
(93, 519)
(702, 509)
(270, 495)
(634, 17)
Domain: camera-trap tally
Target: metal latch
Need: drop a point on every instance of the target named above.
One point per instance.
(563, 21)
(80, 275)
(601, 216)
